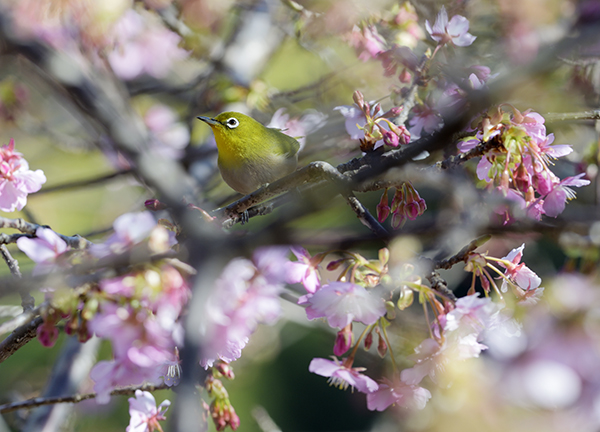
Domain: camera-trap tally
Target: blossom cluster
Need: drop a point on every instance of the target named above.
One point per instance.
(456, 332)
(16, 179)
(246, 294)
(368, 123)
(406, 204)
(518, 165)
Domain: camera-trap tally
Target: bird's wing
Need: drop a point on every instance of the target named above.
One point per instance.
(288, 146)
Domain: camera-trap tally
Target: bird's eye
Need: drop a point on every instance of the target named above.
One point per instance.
(232, 123)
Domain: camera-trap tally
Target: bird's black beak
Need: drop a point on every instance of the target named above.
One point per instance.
(208, 120)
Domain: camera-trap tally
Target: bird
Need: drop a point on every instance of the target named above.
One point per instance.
(251, 155)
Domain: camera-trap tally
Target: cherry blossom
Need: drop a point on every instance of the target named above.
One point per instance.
(144, 413)
(367, 41)
(454, 31)
(16, 179)
(523, 276)
(424, 119)
(304, 270)
(398, 393)
(172, 136)
(143, 46)
(131, 229)
(342, 376)
(143, 343)
(555, 201)
(355, 120)
(344, 302)
(246, 294)
(44, 249)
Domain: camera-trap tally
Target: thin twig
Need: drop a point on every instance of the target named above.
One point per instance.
(35, 402)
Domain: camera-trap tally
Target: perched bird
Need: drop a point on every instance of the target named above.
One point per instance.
(250, 154)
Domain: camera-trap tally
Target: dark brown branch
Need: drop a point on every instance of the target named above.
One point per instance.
(75, 242)
(35, 402)
(366, 218)
(18, 338)
(463, 254)
(477, 151)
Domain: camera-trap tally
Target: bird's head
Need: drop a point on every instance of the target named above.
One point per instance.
(229, 125)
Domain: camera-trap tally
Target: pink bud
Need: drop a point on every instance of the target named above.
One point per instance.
(154, 205)
(398, 198)
(225, 369)
(368, 341)
(47, 334)
(411, 210)
(522, 179)
(390, 138)
(343, 341)
(398, 217)
(332, 265)
(405, 76)
(383, 209)
(358, 98)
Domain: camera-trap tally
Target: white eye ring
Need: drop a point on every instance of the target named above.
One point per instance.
(232, 123)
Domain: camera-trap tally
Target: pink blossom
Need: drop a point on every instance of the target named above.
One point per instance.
(354, 118)
(304, 270)
(109, 375)
(454, 31)
(246, 294)
(425, 119)
(555, 201)
(47, 333)
(16, 179)
(130, 229)
(367, 42)
(431, 356)
(342, 376)
(473, 314)
(398, 393)
(143, 343)
(172, 135)
(144, 47)
(144, 413)
(297, 128)
(344, 302)
(523, 276)
(44, 249)
(343, 340)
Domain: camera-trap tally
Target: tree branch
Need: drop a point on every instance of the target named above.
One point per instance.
(35, 402)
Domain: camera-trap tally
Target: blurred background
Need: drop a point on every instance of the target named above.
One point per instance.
(165, 62)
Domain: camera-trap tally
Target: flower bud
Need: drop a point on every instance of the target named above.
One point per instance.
(522, 178)
(383, 209)
(154, 205)
(343, 341)
(368, 340)
(358, 98)
(405, 76)
(398, 217)
(225, 370)
(384, 255)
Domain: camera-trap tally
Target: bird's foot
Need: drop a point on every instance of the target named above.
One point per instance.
(244, 217)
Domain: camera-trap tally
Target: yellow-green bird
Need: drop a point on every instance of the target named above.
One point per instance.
(250, 154)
